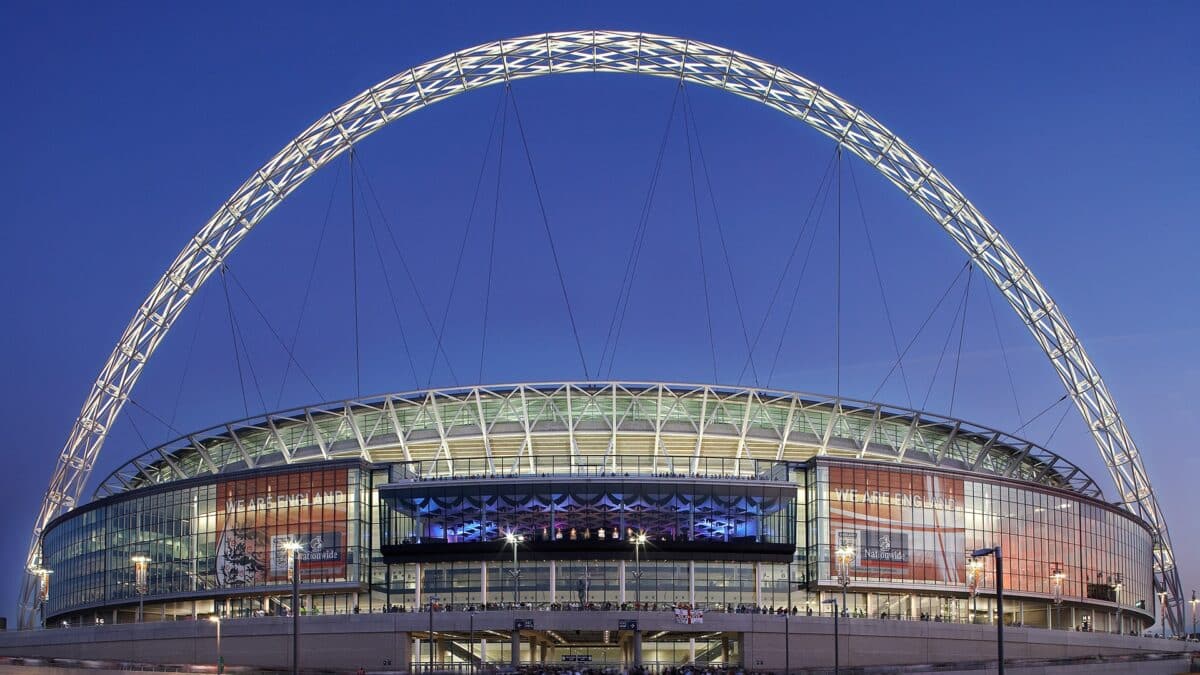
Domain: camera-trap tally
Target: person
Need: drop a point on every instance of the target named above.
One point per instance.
(362, 671)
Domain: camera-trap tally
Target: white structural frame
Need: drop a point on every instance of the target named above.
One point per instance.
(512, 429)
(611, 52)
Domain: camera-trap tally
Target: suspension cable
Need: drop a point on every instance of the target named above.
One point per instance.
(549, 236)
(837, 304)
(712, 343)
(962, 331)
(821, 186)
(291, 355)
(690, 111)
(241, 337)
(462, 245)
(158, 419)
(887, 313)
(936, 305)
(1054, 431)
(354, 279)
(312, 273)
(387, 284)
(1012, 386)
(412, 282)
(824, 194)
(1045, 410)
(138, 431)
(187, 362)
(617, 320)
(959, 309)
(487, 296)
(237, 357)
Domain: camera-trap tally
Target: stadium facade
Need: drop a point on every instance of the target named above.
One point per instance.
(563, 499)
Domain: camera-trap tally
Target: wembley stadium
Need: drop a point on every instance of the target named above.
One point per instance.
(624, 497)
(614, 524)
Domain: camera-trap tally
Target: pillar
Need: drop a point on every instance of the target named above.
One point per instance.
(758, 596)
(621, 580)
(417, 584)
(553, 573)
(483, 583)
(692, 582)
(691, 650)
(637, 648)
(516, 648)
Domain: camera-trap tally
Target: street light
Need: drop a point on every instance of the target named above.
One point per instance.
(514, 540)
(836, 660)
(293, 547)
(1194, 601)
(1057, 577)
(141, 564)
(995, 552)
(974, 574)
(220, 660)
(1117, 598)
(845, 556)
(638, 542)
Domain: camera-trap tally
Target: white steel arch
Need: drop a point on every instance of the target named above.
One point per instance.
(612, 52)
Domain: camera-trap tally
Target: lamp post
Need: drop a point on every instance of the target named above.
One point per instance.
(293, 548)
(974, 574)
(638, 542)
(220, 659)
(1194, 601)
(995, 553)
(432, 599)
(1056, 578)
(845, 556)
(836, 659)
(1117, 598)
(514, 540)
(141, 564)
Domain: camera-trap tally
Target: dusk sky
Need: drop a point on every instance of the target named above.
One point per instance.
(1070, 125)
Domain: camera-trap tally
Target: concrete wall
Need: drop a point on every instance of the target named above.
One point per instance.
(370, 640)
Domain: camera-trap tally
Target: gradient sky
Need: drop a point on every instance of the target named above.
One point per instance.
(1070, 125)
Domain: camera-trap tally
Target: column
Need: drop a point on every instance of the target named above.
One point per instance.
(553, 573)
(417, 585)
(483, 583)
(621, 580)
(692, 582)
(758, 596)
(637, 647)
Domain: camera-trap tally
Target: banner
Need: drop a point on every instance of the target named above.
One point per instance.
(257, 518)
(898, 524)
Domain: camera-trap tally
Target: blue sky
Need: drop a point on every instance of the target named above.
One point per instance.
(1069, 125)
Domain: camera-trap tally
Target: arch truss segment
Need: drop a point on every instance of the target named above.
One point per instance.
(613, 52)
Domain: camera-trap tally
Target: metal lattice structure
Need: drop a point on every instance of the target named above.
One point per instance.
(612, 52)
(566, 428)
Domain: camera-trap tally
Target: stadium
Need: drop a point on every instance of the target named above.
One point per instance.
(614, 524)
(679, 499)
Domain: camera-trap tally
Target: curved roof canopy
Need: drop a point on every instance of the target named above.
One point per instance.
(553, 428)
